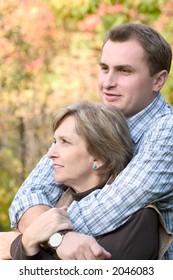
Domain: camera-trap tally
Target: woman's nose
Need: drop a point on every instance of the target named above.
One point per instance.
(52, 152)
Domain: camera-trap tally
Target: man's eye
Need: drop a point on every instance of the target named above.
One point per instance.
(125, 70)
(53, 142)
(104, 69)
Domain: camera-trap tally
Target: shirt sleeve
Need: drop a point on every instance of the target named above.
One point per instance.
(39, 188)
(147, 178)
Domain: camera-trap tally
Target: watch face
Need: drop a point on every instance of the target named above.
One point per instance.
(55, 239)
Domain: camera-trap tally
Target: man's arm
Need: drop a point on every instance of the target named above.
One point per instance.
(30, 216)
(6, 239)
(38, 193)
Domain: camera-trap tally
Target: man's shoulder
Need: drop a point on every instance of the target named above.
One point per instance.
(161, 115)
(157, 116)
(160, 125)
(154, 127)
(163, 120)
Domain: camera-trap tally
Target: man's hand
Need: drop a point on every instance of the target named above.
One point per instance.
(77, 246)
(6, 238)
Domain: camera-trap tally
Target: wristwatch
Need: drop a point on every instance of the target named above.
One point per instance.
(55, 240)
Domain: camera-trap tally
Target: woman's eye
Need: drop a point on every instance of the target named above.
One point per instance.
(64, 141)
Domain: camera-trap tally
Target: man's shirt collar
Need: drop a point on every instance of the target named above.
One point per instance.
(139, 122)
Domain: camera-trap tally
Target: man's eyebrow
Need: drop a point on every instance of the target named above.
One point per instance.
(124, 66)
(102, 63)
(117, 66)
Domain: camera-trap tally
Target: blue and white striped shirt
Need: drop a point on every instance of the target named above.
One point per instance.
(148, 178)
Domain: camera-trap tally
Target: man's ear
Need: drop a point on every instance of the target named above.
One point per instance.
(160, 79)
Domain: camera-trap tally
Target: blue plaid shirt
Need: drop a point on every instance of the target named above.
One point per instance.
(148, 178)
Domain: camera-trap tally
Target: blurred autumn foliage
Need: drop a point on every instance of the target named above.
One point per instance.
(49, 52)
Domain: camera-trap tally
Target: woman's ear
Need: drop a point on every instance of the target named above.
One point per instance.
(97, 164)
(160, 79)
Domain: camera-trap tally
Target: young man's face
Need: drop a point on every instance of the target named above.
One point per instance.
(124, 78)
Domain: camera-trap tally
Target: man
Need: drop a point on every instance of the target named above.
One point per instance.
(134, 66)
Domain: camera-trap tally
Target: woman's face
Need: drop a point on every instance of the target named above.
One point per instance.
(72, 163)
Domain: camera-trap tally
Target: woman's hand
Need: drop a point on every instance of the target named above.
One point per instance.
(49, 222)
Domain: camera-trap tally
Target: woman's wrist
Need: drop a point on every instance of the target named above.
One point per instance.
(30, 246)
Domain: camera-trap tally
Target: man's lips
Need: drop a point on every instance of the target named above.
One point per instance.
(111, 96)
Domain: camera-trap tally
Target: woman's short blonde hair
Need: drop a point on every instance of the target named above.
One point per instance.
(105, 130)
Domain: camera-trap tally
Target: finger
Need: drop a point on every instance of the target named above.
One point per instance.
(68, 255)
(62, 211)
(107, 255)
(99, 252)
(64, 226)
(89, 255)
(64, 208)
(79, 255)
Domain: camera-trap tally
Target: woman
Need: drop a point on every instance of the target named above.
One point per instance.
(92, 145)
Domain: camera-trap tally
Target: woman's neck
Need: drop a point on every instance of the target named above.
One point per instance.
(88, 185)
(79, 195)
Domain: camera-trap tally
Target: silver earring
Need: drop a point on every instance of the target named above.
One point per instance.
(94, 166)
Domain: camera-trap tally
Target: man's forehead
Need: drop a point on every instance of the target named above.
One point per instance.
(123, 53)
(118, 46)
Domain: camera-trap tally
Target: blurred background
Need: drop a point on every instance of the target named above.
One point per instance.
(49, 53)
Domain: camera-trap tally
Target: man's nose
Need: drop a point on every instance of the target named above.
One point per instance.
(110, 80)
